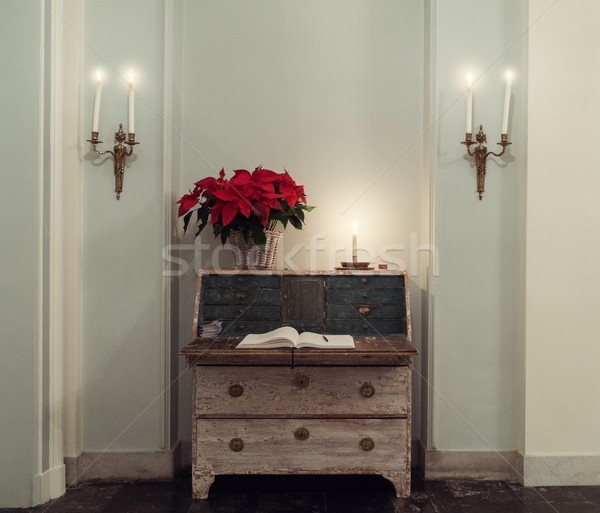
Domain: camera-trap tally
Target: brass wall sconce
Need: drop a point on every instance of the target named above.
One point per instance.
(481, 154)
(119, 154)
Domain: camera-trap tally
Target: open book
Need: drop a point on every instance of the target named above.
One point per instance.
(289, 337)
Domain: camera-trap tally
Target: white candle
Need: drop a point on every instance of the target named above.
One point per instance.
(506, 104)
(131, 125)
(470, 104)
(354, 238)
(96, 112)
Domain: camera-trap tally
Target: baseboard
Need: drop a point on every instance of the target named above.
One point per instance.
(479, 465)
(121, 466)
(49, 485)
(186, 454)
(564, 470)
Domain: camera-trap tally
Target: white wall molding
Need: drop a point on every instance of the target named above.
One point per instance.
(479, 465)
(54, 479)
(49, 485)
(430, 167)
(563, 470)
(121, 466)
(72, 214)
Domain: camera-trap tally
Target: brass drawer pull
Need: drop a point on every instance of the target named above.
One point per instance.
(301, 434)
(367, 390)
(367, 444)
(236, 390)
(301, 381)
(237, 444)
(364, 310)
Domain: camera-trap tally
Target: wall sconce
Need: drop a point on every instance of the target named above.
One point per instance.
(120, 152)
(481, 152)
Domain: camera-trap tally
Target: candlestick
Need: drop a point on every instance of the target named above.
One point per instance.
(354, 240)
(469, 104)
(506, 104)
(131, 122)
(96, 112)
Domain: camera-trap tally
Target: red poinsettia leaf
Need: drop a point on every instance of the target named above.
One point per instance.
(216, 212)
(261, 175)
(187, 202)
(227, 194)
(241, 177)
(244, 207)
(230, 210)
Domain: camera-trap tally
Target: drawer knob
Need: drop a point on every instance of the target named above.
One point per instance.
(237, 444)
(301, 434)
(236, 390)
(367, 444)
(364, 310)
(301, 381)
(367, 390)
(240, 295)
(364, 281)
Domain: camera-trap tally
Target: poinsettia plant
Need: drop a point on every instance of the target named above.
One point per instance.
(250, 202)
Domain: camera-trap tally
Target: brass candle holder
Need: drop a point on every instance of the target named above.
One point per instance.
(119, 154)
(481, 154)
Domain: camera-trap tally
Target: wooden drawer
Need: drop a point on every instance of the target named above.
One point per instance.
(372, 328)
(275, 445)
(241, 296)
(365, 282)
(359, 296)
(242, 281)
(301, 391)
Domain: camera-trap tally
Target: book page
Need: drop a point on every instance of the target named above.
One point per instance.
(285, 336)
(310, 339)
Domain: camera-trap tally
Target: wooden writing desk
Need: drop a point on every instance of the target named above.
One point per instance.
(303, 411)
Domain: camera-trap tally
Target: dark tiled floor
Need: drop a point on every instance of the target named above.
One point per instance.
(322, 494)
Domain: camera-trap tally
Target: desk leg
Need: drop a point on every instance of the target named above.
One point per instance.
(400, 481)
(201, 482)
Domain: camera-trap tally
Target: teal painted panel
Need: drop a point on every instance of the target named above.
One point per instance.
(367, 296)
(248, 296)
(240, 281)
(365, 282)
(358, 311)
(367, 328)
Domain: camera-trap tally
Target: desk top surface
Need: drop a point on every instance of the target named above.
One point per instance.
(390, 350)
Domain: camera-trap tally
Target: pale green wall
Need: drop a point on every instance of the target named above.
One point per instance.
(478, 311)
(124, 341)
(333, 92)
(563, 245)
(21, 202)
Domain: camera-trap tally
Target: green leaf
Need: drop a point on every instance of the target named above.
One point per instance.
(296, 223)
(259, 238)
(186, 220)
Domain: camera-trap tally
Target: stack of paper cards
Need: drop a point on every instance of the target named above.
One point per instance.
(211, 329)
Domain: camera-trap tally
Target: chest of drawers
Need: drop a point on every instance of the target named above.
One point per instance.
(307, 411)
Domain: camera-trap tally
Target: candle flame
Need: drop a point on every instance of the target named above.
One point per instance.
(98, 76)
(509, 75)
(469, 79)
(354, 227)
(131, 77)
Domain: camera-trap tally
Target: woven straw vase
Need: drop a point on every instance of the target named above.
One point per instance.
(247, 255)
